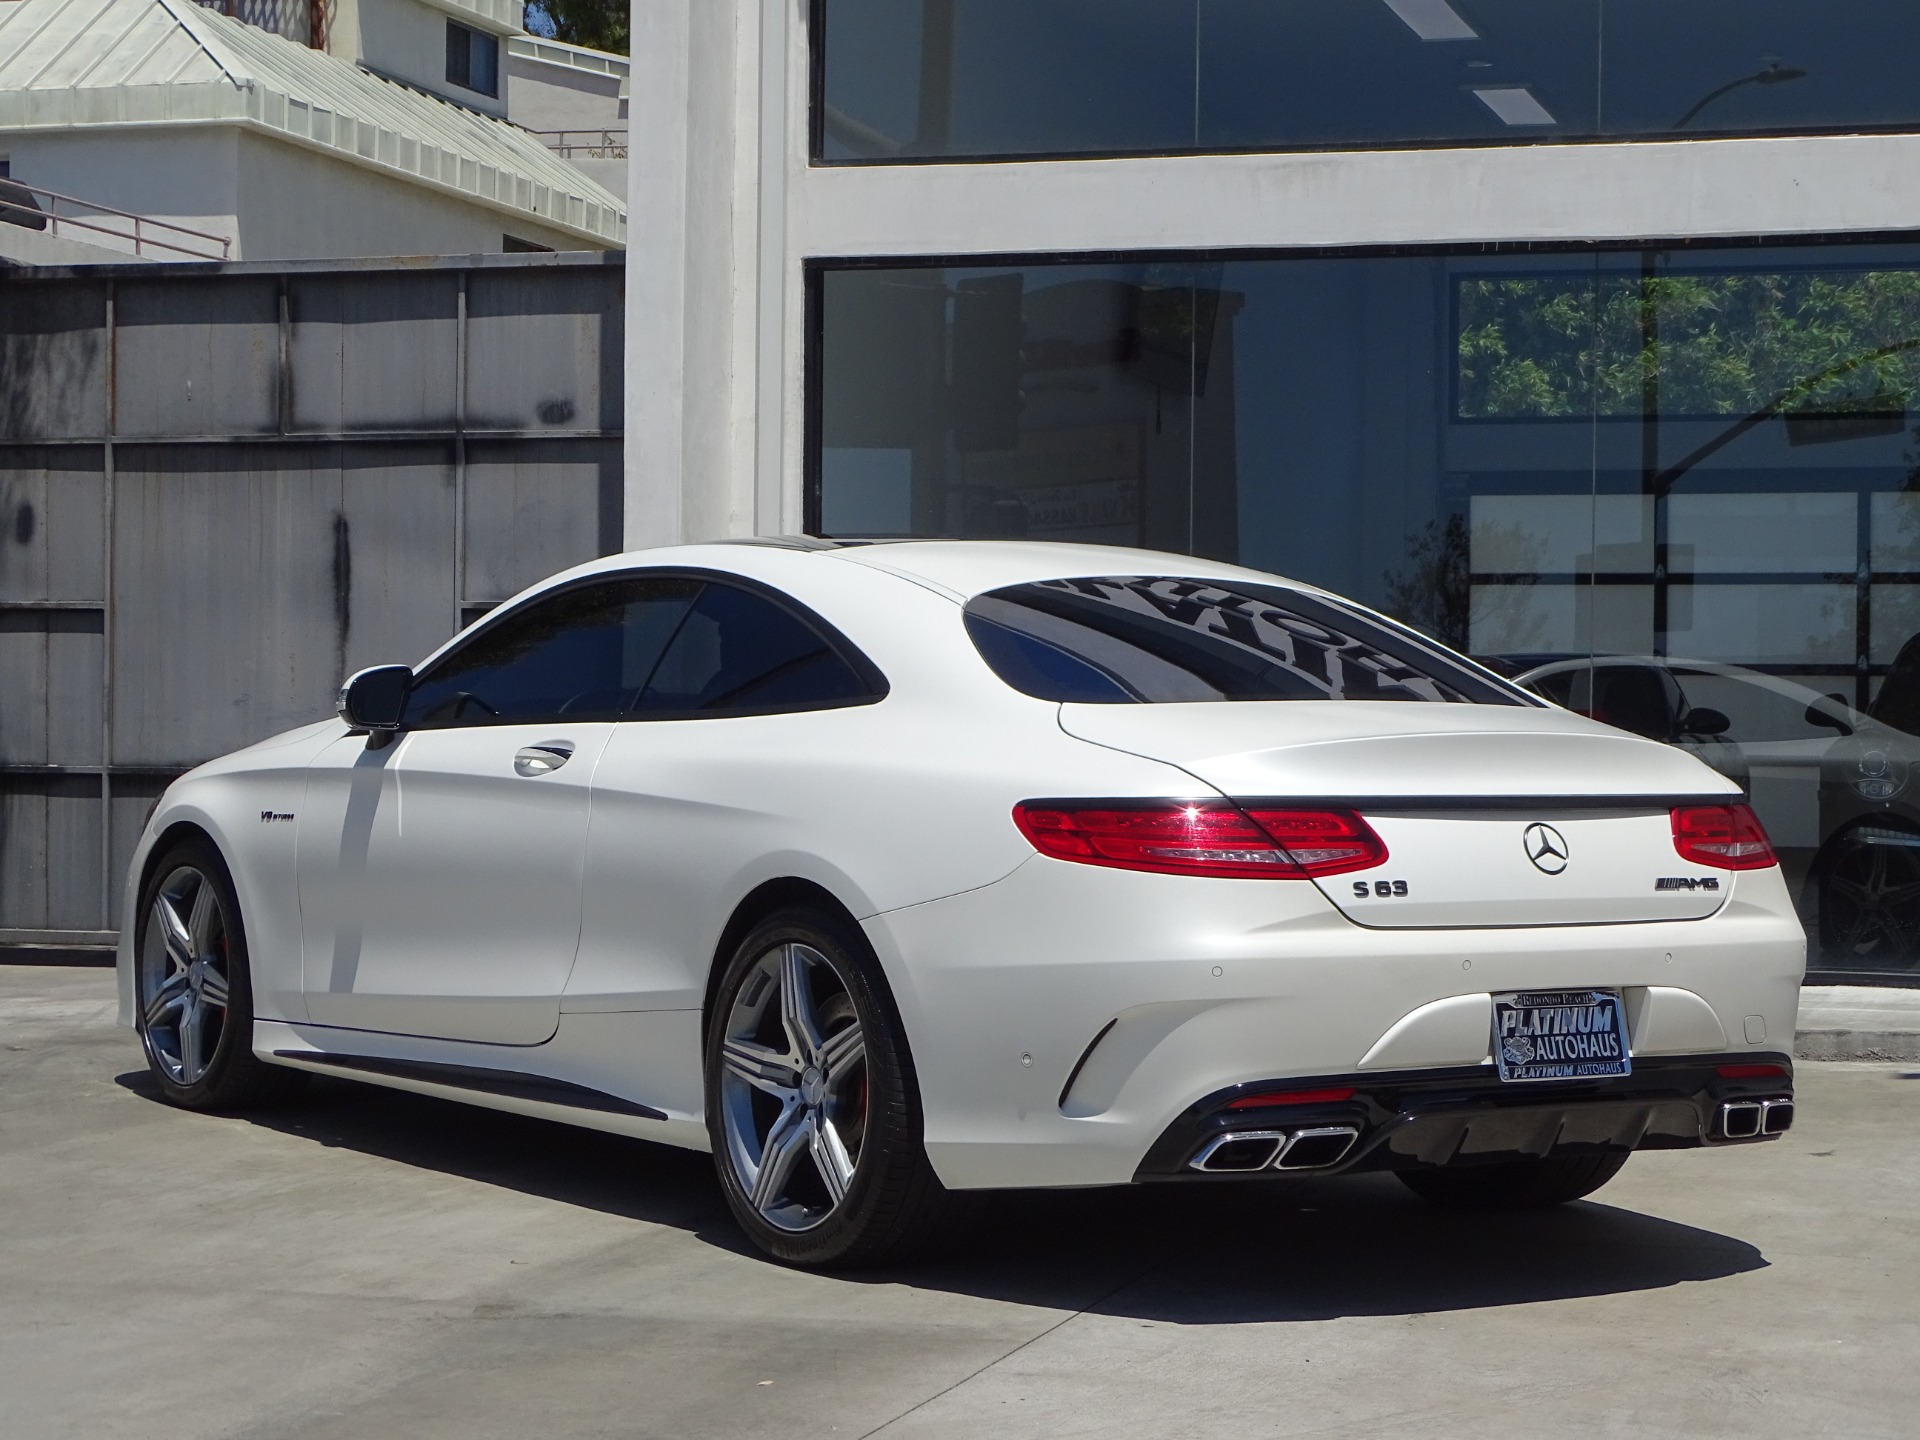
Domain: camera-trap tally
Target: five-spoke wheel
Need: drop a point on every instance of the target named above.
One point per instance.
(793, 1090)
(184, 959)
(811, 1101)
(193, 987)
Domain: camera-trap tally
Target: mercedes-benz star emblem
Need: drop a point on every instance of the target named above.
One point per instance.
(1546, 848)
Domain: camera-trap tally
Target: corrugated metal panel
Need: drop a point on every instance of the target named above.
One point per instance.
(206, 354)
(542, 352)
(275, 524)
(537, 506)
(53, 361)
(50, 699)
(373, 352)
(50, 852)
(52, 508)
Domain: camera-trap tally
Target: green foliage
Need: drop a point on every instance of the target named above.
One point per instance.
(596, 24)
(1705, 344)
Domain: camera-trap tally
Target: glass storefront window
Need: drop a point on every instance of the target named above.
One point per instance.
(1678, 489)
(974, 79)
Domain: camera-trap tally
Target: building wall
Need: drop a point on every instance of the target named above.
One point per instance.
(739, 211)
(1653, 399)
(407, 40)
(298, 204)
(274, 200)
(545, 96)
(187, 175)
(224, 489)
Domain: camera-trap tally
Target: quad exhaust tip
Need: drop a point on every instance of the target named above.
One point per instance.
(1244, 1151)
(1745, 1119)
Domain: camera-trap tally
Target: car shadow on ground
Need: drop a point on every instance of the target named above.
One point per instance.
(1189, 1254)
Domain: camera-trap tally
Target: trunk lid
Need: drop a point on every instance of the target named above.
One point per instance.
(1492, 815)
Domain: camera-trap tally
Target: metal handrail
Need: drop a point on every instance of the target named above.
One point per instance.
(198, 244)
(603, 144)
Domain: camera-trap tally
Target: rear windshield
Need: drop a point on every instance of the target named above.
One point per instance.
(1131, 639)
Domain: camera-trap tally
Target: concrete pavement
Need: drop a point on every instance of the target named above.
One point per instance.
(367, 1264)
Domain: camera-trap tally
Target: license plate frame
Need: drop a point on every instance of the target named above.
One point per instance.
(1570, 1034)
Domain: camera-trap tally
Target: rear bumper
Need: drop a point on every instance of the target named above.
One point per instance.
(1419, 1119)
(1062, 1019)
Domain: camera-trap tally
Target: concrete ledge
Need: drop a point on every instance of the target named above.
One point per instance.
(1858, 1022)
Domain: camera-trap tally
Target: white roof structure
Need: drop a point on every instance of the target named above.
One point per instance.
(571, 57)
(107, 64)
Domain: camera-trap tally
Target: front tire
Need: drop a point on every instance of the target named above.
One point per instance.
(812, 1104)
(1516, 1184)
(193, 987)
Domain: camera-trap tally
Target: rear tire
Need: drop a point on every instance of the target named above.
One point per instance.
(1516, 1184)
(193, 987)
(812, 1103)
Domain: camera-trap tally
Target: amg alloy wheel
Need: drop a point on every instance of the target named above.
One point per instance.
(793, 1086)
(194, 989)
(811, 1100)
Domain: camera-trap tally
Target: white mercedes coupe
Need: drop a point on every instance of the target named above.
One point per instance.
(893, 871)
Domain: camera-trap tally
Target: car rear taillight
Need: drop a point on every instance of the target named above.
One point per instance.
(1201, 838)
(1727, 837)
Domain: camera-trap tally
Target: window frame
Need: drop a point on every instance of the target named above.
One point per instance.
(875, 684)
(471, 34)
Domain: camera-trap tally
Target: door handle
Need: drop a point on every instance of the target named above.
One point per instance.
(542, 759)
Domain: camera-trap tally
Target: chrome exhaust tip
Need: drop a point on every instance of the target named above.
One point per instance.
(1316, 1148)
(1740, 1119)
(1239, 1151)
(1776, 1116)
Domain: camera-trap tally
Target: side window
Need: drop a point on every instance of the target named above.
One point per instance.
(1759, 712)
(583, 654)
(737, 652)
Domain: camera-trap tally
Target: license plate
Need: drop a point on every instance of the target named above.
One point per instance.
(1560, 1035)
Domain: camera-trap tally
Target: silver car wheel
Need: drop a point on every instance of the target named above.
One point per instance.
(793, 1087)
(183, 974)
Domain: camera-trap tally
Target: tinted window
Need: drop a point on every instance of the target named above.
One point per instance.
(1642, 698)
(1132, 639)
(583, 654)
(1760, 712)
(942, 79)
(737, 652)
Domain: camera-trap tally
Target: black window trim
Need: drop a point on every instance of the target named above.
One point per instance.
(877, 687)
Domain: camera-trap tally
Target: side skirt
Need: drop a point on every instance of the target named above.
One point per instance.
(507, 1084)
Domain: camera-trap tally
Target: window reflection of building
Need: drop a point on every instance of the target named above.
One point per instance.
(1701, 459)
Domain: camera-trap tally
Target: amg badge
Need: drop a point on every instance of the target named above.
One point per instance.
(1686, 882)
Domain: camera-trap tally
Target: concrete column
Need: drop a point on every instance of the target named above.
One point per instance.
(696, 231)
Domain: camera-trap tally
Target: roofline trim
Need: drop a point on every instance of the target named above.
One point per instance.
(571, 57)
(613, 233)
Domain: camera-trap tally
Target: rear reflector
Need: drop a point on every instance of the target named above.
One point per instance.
(1752, 1072)
(1291, 1097)
(1201, 838)
(1726, 837)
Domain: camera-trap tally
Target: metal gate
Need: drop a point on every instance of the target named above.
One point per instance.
(223, 488)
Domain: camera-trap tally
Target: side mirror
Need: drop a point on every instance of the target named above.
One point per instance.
(1702, 721)
(376, 699)
(1825, 718)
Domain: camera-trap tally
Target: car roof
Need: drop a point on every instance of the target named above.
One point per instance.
(965, 568)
